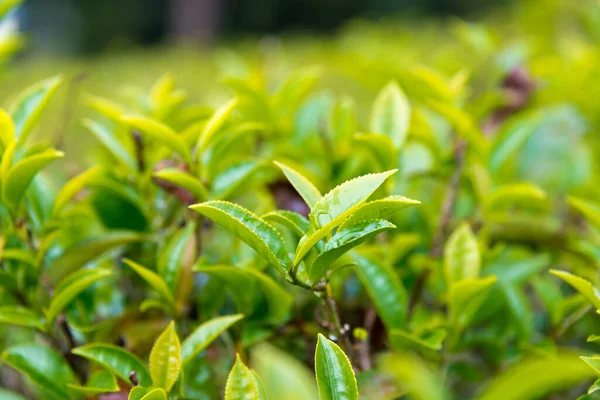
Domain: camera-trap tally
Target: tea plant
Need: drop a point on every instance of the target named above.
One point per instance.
(293, 243)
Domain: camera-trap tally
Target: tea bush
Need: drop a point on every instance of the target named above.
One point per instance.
(359, 225)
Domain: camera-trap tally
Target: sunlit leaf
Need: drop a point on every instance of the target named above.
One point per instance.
(584, 287)
(204, 335)
(461, 255)
(165, 359)
(391, 114)
(303, 186)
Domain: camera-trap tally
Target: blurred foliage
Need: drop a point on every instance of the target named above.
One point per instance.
(230, 227)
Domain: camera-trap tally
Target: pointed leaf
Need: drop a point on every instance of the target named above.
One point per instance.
(171, 258)
(279, 301)
(88, 250)
(185, 180)
(19, 176)
(590, 211)
(241, 384)
(461, 255)
(385, 290)
(7, 129)
(252, 230)
(21, 316)
(342, 242)
(117, 360)
(28, 108)
(227, 182)
(73, 187)
(303, 186)
(155, 394)
(378, 209)
(66, 293)
(511, 194)
(161, 133)
(165, 359)
(204, 335)
(153, 279)
(466, 296)
(391, 114)
(335, 376)
(291, 220)
(215, 123)
(44, 367)
(536, 378)
(591, 293)
(380, 147)
(100, 382)
(105, 107)
(337, 205)
(111, 142)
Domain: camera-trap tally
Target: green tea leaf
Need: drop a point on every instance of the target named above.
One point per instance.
(378, 209)
(385, 290)
(381, 148)
(535, 378)
(279, 300)
(88, 250)
(583, 286)
(521, 193)
(590, 211)
(252, 230)
(461, 255)
(21, 316)
(229, 181)
(105, 107)
(162, 134)
(213, 126)
(165, 359)
(44, 367)
(115, 359)
(303, 186)
(241, 384)
(67, 292)
(414, 376)
(154, 280)
(171, 257)
(337, 205)
(466, 296)
(7, 395)
(204, 335)
(28, 108)
(508, 141)
(155, 394)
(185, 180)
(391, 114)
(7, 129)
(98, 383)
(112, 143)
(19, 176)
(73, 187)
(335, 376)
(293, 221)
(342, 242)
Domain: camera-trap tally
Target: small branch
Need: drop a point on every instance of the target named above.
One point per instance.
(139, 149)
(439, 237)
(364, 350)
(335, 324)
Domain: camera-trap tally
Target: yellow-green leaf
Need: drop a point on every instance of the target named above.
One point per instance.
(337, 205)
(241, 383)
(335, 376)
(378, 209)
(293, 221)
(19, 176)
(343, 241)
(28, 108)
(111, 142)
(465, 298)
(215, 123)
(204, 335)
(391, 114)
(461, 255)
(98, 383)
(7, 129)
(73, 187)
(162, 134)
(165, 359)
(590, 211)
(68, 291)
(21, 316)
(154, 280)
(303, 186)
(251, 229)
(185, 180)
(581, 285)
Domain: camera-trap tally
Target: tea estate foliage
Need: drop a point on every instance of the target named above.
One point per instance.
(436, 241)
